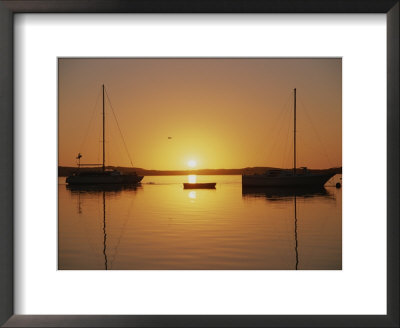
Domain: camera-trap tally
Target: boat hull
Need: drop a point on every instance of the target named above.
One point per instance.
(261, 180)
(199, 185)
(103, 179)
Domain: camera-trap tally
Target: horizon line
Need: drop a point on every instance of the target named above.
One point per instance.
(191, 170)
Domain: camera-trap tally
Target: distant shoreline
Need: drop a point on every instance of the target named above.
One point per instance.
(64, 171)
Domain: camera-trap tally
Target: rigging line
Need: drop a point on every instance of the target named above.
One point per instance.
(114, 152)
(265, 153)
(110, 150)
(287, 110)
(286, 142)
(116, 149)
(119, 129)
(109, 161)
(122, 232)
(278, 126)
(99, 141)
(288, 156)
(316, 133)
(90, 122)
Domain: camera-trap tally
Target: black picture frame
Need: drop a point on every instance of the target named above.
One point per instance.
(10, 7)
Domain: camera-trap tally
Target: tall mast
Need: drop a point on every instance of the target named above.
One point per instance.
(104, 135)
(294, 135)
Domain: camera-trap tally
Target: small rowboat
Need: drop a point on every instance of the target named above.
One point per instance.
(199, 185)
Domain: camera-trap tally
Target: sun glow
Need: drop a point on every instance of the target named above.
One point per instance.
(192, 163)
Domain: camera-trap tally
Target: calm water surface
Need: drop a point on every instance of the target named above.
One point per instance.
(160, 225)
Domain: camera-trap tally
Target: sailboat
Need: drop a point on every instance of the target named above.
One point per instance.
(101, 176)
(287, 178)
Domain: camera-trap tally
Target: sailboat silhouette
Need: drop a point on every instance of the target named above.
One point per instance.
(287, 178)
(103, 176)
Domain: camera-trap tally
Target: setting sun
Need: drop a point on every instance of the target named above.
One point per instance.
(192, 163)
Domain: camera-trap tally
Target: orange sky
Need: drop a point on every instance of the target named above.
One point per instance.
(221, 113)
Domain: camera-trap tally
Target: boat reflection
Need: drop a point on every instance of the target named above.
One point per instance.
(105, 191)
(285, 194)
(100, 188)
(288, 195)
(104, 232)
(296, 250)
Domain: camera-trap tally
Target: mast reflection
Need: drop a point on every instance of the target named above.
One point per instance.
(104, 231)
(295, 233)
(287, 195)
(103, 189)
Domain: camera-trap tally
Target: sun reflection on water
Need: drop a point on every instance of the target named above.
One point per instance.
(192, 194)
(192, 178)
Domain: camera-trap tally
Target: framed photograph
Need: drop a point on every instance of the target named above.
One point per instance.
(181, 163)
(186, 205)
